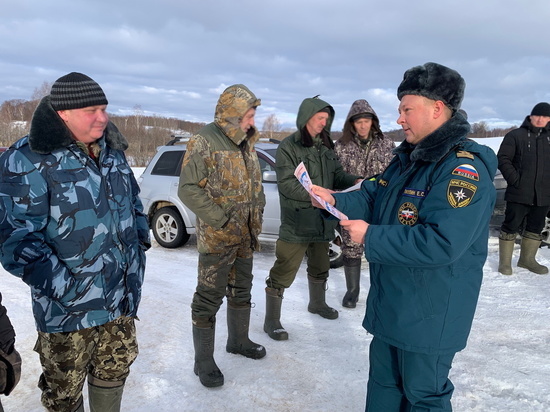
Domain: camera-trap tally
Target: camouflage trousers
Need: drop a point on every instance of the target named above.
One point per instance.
(101, 353)
(222, 274)
(351, 249)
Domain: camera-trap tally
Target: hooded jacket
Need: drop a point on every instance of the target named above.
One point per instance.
(429, 215)
(221, 179)
(71, 228)
(523, 160)
(300, 221)
(363, 159)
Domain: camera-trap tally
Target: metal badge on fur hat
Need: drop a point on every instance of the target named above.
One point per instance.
(434, 81)
(75, 91)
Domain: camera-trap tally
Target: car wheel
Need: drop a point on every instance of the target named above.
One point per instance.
(168, 228)
(335, 252)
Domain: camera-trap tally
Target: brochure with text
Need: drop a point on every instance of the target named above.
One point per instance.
(303, 177)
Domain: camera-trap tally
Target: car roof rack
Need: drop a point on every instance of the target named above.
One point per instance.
(177, 139)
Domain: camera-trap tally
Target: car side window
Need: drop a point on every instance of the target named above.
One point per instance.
(264, 165)
(169, 163)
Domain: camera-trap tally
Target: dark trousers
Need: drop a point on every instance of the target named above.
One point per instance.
(402, 381)
(518, 213)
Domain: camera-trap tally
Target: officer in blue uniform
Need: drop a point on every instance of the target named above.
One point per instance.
(424, 223)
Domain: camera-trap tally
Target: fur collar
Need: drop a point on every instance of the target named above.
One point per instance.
(49, 133)
(437, 144)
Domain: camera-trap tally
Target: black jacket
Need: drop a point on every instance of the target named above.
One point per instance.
(7, 334)
(524, 160)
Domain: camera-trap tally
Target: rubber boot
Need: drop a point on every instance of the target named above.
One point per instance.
(317, 302)
(104, 396)
(238, 342)
(78, 408)
(205, 366)
(506, 242)
(530, 244)
(272, 322)
(352, 271)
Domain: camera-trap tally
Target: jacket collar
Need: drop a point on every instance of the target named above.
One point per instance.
(438, 143)
(49, 133)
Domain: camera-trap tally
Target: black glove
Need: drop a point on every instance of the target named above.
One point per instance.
(10, 371)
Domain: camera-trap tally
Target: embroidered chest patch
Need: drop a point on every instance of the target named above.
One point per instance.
(467, 171)
(407, 214)
(460, 193)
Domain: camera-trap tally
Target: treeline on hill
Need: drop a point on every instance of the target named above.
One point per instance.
(146, 133)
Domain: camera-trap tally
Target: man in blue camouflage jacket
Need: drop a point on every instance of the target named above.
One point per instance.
(72, 228)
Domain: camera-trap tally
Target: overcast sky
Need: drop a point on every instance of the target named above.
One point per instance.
(174, 57)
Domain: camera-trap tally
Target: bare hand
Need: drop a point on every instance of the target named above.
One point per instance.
(357, 229)
(324, 194)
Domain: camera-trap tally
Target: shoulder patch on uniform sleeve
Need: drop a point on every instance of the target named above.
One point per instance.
(407, 214)
(466, 170)
(460, 192)
(464, 153)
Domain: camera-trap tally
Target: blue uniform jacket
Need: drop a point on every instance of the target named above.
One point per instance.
(73, 230)
(427, 242)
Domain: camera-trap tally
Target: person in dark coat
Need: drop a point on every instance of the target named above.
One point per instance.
(10, 360)
(303, 231)
(424, 224)
(523, 160)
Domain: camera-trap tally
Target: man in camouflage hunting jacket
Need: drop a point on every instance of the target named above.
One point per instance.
(365, 151)
(72, 228)
(221, 183)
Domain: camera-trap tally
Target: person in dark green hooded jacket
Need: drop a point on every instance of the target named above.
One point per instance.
(424, 224)
(303, 230)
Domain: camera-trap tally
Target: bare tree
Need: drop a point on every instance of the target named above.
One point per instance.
(271, 126)
(42, 91)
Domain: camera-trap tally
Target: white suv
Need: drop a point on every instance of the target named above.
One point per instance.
(172, 222)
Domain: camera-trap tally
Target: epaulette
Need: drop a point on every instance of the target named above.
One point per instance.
(464, 153)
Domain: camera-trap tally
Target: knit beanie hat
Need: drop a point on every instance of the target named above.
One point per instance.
(434, 81)
(75, 91)
(541, 109)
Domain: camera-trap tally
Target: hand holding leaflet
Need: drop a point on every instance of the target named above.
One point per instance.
(303, 177)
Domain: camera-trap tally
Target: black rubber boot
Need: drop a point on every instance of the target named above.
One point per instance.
(205, 366)
(317, 302)
(353, 279)
(272, 323)
(104, 396)
(238, 323)
(530, 244)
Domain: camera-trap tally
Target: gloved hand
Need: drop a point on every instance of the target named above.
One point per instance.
(10, 371)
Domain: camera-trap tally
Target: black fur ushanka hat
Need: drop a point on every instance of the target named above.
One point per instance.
(434, 81)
